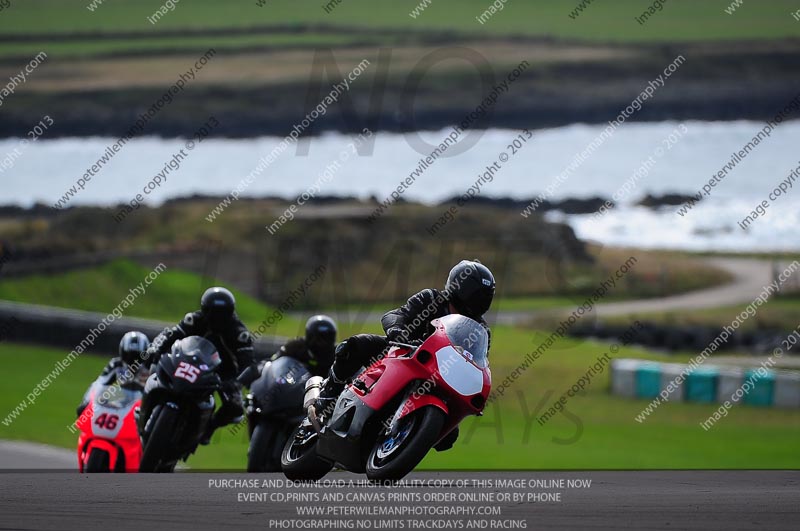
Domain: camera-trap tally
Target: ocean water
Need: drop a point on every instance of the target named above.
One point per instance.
(682, 157)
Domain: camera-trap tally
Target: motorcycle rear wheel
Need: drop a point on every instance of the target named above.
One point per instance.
(392, 458)
(159, 442)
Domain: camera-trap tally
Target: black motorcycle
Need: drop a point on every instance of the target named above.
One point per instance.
(178, 403)
(274, 407)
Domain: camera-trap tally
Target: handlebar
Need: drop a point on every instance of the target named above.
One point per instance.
(248, 376)
(405, 345)
(412, 348)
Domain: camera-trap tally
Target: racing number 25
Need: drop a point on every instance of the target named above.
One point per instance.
(187, 371)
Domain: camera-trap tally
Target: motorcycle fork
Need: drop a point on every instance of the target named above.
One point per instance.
(391, 424)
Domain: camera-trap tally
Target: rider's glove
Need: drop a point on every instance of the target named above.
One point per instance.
(249, 375)
(151, 355)
(230, 387)
(395, 334)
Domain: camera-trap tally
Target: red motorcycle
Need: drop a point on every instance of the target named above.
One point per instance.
(395, 411)
(109, 440)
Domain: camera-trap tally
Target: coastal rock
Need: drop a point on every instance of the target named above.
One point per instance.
(657, 201)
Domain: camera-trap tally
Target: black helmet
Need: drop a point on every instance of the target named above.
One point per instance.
(320, 333)
(217, 305)
(470, 288)
(131, 347)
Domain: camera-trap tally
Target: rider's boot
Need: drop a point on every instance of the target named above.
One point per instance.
(332, 387)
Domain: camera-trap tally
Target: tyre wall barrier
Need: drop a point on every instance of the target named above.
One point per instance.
(65, 329)
(645, 379)
(679, 337)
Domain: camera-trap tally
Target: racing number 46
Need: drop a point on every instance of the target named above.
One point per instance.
(106, 421)
(187, 371)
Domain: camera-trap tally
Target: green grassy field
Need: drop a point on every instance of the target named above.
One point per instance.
(680, 20)
(600, 433)
(157, 44)
(169, 298)
(177, 291)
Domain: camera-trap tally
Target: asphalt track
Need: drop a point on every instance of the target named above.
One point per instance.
(615, 500)
(34, 456)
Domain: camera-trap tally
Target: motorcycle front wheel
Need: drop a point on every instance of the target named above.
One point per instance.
(263, 455)
(394, 456)
(159, 442)
(299, 459)
(99, 461)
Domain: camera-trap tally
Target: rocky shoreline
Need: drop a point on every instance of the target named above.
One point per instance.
(575, 205)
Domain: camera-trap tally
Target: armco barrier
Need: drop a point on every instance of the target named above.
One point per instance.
(65, 329)
(644, 379)
(648, 380)
(701, 385)
(728, 381)
(669, 373)
(762, 393)
(787, 389)
(623, 376)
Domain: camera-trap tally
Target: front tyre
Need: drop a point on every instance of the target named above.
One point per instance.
(393, 457)
(159, 443)
(99, 461)
(261, 455)
(299, 459)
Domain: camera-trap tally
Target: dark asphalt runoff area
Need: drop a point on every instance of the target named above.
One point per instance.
(672, 500)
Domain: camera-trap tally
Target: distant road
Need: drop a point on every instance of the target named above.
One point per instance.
(749, 278)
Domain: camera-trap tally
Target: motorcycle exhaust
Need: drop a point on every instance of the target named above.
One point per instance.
(312, 392)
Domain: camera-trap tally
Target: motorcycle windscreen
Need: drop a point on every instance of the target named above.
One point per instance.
(116, 397)
(112, 404)
(200, 351)
(281, 385)
(468, 337)
(285, 370)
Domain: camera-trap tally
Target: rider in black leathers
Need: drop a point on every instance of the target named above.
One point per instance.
(216, 321)
(469, 291)
(316, 349)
